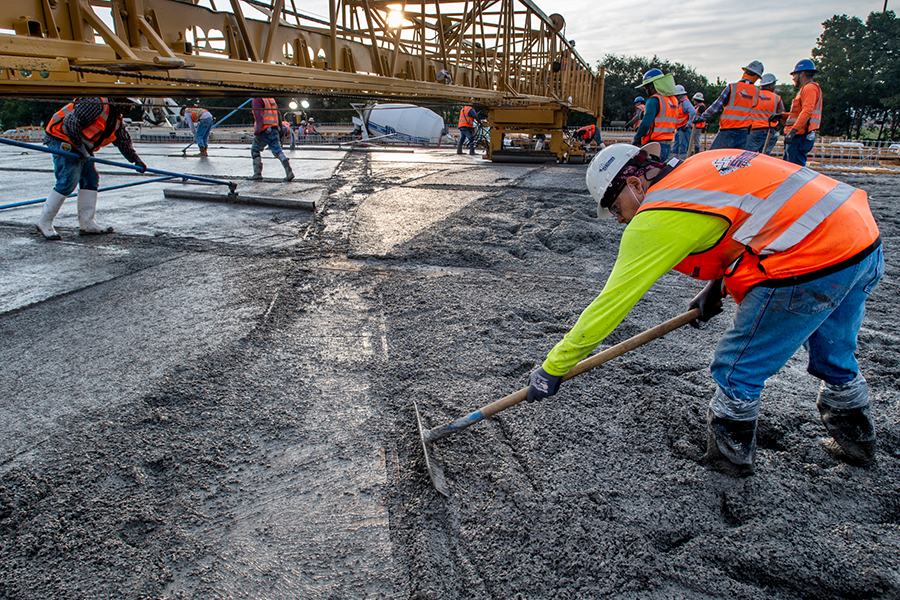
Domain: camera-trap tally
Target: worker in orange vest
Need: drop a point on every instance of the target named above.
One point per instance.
(200, 122)
(736, 103)
(639, 108)
(467, 120)
(699, 107)
(588, 134)
(660, 112)
(806, 114)
(764, 125)
(82, 127)
(798, 251)
(267, 122)
(686, 114)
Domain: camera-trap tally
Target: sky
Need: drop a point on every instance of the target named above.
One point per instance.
(715, 37)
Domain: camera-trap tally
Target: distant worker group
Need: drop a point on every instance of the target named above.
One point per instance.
(751, 112)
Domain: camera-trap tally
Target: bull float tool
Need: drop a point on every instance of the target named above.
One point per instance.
(232, 186)
(429, 436)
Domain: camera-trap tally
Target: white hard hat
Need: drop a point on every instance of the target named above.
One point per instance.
(755, 67)
(698, 96)
(607, 164)
(768, 79)
(679, 90)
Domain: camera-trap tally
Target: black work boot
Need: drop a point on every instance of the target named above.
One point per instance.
(730, 446)
(852, 434)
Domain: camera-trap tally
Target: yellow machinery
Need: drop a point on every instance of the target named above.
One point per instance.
(505, 55)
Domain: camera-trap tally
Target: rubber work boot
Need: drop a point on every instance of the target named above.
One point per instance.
(852, 434)
(45, 223)
(288, 173)
(203, 153)
(87, 206)
(257, 168)
(730, 446)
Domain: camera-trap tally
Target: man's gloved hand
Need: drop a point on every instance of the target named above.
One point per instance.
(542, 385)
(789, 138)
(698, 119)
(709, 301)
(140, 165)
(774, 119)
(82, 152)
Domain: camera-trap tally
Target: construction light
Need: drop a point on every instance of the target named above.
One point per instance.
(293, 104)
(304, 104)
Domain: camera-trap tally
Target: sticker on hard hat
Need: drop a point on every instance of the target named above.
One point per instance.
(608, 162)
(730, 164)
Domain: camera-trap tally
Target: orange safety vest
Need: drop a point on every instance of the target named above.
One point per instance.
(785, 221)
(663, 127)
(738, 112)
(270, 116)
(92, 136)
(682, 115)
(815, 119)
(700, 108)
(588, 131)
(195, 113)
(764, 109)
(639, 113)
(466, 118)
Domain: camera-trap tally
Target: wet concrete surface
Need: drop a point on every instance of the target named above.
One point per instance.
(216, 401)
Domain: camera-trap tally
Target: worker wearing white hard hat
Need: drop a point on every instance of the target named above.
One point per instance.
(700, 126)
(766, 116)
(736, 104)
(686, 115)
(718, 216)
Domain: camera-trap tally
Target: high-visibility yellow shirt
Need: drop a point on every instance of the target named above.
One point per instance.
(652, 244)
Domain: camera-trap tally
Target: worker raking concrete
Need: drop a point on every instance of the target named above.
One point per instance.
(798, 251)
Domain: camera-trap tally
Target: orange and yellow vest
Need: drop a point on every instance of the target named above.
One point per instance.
(785, 221)
(765, 108)
(738, 112)
(270, 115)
(466, 117)
(663, 127)
(815, 118)
(195, 113)
(92, 136)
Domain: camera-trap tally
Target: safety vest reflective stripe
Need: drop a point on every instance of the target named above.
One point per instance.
(806, 223)
(90, 135)
(764, 109)
(466, 118)
(682, 115)
(797, 107)
(663, 127)
(270, 115)
(738, 112)
(196, 113)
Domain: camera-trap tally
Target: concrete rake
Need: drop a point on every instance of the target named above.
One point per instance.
(429, 436)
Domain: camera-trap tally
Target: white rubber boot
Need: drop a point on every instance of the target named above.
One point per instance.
(87, 206)
(51, 206)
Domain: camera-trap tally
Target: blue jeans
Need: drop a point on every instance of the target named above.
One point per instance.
(797, 151)
(271, 138)
(204, 126)
(730, 138)
(664, 150)
(466, 133)
(758, 137)
(770, 325)
(72, 172)
(682, 137)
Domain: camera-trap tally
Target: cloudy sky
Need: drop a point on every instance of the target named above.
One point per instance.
(716, 37)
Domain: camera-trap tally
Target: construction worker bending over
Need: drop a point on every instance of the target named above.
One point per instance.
(660, 112)
(83, 126)
(200, 121)
(764, 125)
(806, 114)
(588, 134)
(736, 103)
(686, 115)
(265, 133)
(798, 251)
(467, 120)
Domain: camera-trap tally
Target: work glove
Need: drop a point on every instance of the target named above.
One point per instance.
(789, 138)
(140, 165)
(709, 301)
(774, 119)
(698, 119)
(82, 153)
(542, 385)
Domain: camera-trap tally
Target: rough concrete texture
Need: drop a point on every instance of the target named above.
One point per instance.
(222, 407)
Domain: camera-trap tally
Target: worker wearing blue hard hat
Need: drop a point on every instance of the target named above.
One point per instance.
(806, 114)
(638, 113)
(660, 112)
